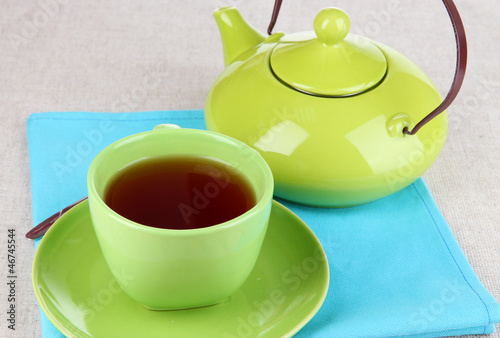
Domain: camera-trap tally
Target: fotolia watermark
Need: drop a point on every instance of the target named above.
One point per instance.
(103, 297)
(372, 28)
(410, 163)
(202, 197)
(75, 154)
(380, 19)
(448, 295)
(484, 92)
(292, 279)
(92, 139)
(137, 95)
(34, 23)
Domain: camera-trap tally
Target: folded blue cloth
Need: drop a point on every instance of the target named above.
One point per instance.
(395, 267)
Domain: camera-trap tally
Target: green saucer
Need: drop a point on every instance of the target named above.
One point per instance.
(82, 299)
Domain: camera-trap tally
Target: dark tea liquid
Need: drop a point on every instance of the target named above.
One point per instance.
(179, 193)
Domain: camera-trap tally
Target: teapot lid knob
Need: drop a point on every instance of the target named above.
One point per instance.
(332, 26)
(333, 63)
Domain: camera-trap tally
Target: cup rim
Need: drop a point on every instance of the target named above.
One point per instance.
(264, 201)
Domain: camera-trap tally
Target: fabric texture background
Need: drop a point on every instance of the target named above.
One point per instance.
(131, 55)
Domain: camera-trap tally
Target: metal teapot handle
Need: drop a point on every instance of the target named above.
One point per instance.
(461, 42)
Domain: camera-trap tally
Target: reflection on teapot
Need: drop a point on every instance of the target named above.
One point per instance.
(335, 115)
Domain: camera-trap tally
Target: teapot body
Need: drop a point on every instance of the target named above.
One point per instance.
(330, 151)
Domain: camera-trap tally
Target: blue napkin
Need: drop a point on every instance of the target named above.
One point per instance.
(395, 267)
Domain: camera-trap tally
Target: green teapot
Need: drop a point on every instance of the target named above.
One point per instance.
(342, 120)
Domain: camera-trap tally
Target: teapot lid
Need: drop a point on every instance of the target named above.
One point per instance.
(332, 63)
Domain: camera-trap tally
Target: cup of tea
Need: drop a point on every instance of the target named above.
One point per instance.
(180, 214)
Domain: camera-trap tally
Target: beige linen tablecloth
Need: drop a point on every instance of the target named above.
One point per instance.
(62, 55)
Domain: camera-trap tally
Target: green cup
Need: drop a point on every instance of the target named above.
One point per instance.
(167, 269)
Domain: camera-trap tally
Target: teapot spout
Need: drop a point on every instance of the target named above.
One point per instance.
(236, 34)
